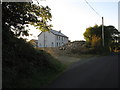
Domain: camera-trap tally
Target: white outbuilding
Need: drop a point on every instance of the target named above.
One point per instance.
(52, 38)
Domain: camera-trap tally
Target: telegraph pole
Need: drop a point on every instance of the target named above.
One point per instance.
(103, 32)
(44, 39)
(43, 32)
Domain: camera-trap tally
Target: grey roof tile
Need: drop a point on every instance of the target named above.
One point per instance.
(57, 33)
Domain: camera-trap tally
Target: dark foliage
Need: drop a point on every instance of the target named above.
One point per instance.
(93, 36)
(20, 61)
(16, 15)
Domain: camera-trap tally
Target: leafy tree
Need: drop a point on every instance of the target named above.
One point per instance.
(115, 44)
(21, 62)
(93, 36)
(90, 32)
(16, 16)
(95, 42)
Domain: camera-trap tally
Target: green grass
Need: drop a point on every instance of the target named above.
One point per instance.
(27, 67)
(39, 79)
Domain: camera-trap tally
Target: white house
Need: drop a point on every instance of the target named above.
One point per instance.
(52, 38)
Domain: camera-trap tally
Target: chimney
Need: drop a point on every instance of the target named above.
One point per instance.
(59, 31)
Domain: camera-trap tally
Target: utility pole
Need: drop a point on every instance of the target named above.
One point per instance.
(44, 39)
(103, 32)
(43, 31)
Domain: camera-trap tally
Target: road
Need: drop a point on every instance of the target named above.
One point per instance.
(101, 72)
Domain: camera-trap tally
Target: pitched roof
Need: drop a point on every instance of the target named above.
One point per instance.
(56, 33)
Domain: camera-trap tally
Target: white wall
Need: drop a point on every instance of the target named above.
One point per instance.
(51, 40)
(61, 40)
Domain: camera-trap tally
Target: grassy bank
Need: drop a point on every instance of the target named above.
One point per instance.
(26, 67)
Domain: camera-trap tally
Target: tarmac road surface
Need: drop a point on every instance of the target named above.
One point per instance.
(101, 72)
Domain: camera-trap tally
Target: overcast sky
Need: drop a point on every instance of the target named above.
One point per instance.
(72, 17)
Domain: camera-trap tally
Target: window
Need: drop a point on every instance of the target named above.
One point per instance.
(52, 45)
(57, 43)
(62, 38)
(58, 37)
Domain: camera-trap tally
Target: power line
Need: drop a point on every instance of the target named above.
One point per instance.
(102, 22)
(93, 8)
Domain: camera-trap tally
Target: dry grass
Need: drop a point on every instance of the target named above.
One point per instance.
(64, 58)
(67, 60)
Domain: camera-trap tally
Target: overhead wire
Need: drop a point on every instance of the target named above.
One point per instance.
(93, 9)
(102, 22)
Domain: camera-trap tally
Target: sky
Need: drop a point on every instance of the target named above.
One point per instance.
(72, 17)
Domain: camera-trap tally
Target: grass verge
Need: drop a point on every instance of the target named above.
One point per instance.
(26, 67)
